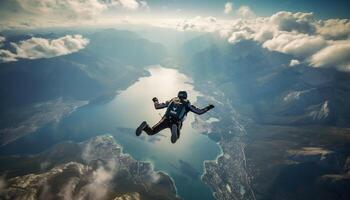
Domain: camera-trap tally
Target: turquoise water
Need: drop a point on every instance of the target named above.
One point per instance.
(183, 161)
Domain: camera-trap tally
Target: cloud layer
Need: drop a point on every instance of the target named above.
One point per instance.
(319, 43)
(245, 12)
(31, 13)
(35, 48)
(336, 54)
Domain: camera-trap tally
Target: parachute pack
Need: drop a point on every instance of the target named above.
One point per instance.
(176, 109)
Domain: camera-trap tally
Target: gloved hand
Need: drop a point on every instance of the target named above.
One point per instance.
(154, 99)
(211, 106)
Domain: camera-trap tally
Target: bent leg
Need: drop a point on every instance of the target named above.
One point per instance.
(178, 130)
(140, 128)
(174, 133)
(162, 124)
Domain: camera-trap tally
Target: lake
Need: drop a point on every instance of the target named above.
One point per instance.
(183, 161)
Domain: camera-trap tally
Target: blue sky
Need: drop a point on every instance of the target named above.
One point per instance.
(322, 8)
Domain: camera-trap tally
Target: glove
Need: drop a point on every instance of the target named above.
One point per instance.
(154, 99)
(211, 106)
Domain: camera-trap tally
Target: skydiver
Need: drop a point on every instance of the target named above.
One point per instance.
(177, 109)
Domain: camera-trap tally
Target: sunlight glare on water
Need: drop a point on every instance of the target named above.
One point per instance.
(183, 161)
(136, 103)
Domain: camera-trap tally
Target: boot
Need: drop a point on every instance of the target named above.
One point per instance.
(140, 128)
(174, 135)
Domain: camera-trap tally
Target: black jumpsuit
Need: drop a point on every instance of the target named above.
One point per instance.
(167, 122)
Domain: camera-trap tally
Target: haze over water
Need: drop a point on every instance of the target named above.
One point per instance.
(120, 116)
(189, 151)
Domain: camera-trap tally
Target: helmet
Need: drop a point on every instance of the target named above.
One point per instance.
(182, 95)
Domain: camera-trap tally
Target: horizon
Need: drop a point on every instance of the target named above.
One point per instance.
(268, 83)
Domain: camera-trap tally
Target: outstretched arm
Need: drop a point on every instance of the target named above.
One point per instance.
(200, 111)
(158, 105)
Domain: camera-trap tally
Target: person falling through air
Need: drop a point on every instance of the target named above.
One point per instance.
(177, 109)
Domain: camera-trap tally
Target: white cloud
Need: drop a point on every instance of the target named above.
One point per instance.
(101, 148)
(68, 190)
(64, 9)
(207, 24)
(33, 13)
(7, 56)
(73, 8)
(94, 178)
(297, 34)
(238, 36)
(132, 4)
(245, 12)
(211, 19)
(294, 62)
(44, 48)
(264, 34)
(35, 48)
(311, 153)
(99, 182)
(321, 43)
(300, 22)
(334, 28)
(247, 29)
(228, 8)
(336, 55)
(128, 4)
(299, 45)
